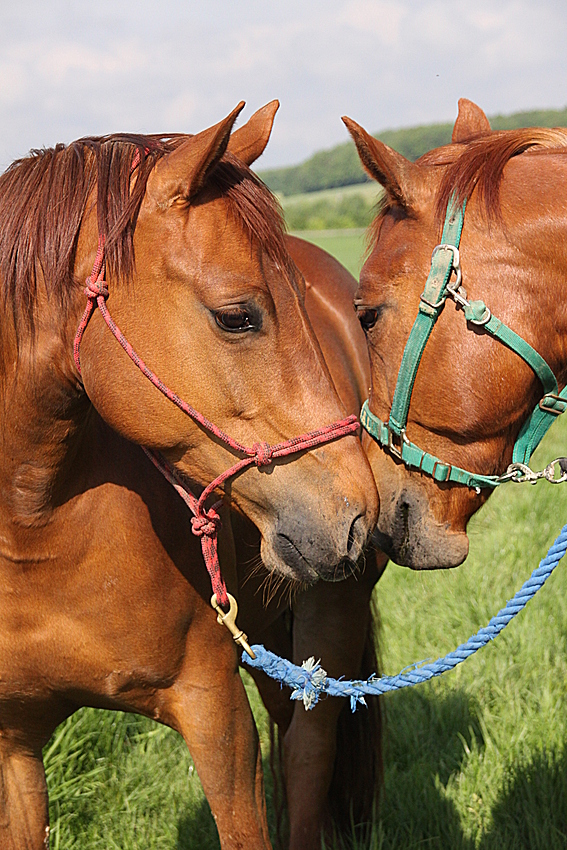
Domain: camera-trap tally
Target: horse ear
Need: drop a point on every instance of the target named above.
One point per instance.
(471, 122)
(249, 141)
(184, 172)
(392, 170)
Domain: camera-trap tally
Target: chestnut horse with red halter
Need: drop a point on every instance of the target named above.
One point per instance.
(332, 756)
(489, 341)
(104, 599)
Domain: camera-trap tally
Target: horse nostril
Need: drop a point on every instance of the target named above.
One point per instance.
(346, 567)
(404, 536)
(404, 510)
(357, 537)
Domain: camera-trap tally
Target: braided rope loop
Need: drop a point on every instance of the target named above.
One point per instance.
(310, 681)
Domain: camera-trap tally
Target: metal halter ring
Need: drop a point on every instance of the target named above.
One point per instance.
(456, 262)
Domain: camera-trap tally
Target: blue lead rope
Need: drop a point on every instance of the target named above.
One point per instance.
(310, 681)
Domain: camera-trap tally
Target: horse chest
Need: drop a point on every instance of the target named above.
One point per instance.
(105, 612)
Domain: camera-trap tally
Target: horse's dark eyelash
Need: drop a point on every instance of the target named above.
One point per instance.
(377, 309)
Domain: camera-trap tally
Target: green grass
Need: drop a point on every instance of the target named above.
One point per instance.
(369, 191)
(474, 760)
(477, 758)
(122, 782)
(348, 246)
(346, 207)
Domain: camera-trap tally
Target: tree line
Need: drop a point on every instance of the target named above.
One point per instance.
(340, 166)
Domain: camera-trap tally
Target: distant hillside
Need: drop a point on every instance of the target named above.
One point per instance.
(340, 166)
(332, 209)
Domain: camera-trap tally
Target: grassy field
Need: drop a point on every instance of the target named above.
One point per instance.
(369, 191)
(348, 246)
(475, 760)
(345, 207)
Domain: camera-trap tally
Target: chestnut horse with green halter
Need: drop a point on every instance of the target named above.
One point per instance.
(466, 326)
(104, 597)
(332, 757)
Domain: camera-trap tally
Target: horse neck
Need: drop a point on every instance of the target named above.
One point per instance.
(529, 253)
(546, 242)
(43, 417)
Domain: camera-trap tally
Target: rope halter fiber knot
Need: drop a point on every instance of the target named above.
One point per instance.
(206, 524)
(263, 454)
(96, 289)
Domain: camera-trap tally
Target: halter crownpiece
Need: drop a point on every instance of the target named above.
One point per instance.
(392, 435)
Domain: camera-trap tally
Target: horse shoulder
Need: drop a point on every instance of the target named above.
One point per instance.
(116, 554)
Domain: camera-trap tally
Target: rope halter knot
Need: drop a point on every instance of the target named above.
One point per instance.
(263, 454)
(96, 289)
(206, 524)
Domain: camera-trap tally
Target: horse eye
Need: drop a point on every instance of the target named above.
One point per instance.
(367, 316)
(235, 320)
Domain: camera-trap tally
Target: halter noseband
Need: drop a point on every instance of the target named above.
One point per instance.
(392, 435)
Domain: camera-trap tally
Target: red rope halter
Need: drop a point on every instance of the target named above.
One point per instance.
(205, 522)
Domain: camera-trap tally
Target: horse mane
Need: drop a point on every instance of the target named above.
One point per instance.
(44, 197)
(480, 163)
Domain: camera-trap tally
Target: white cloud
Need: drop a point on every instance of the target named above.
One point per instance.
(153, 65)
(383, 19)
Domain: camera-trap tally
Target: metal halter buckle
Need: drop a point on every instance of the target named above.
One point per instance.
(456, 261)
(393, 449)
(548, 409)
(455, 267)
(447, 475)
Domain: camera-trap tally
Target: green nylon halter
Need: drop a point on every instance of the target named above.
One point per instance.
(392, 435)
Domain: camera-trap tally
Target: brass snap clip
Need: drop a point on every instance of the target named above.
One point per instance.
(228, 619)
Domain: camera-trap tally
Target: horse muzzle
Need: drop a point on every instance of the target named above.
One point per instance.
(409, 534)
(307, 551)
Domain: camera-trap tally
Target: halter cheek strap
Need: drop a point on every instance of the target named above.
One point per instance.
(392, 435)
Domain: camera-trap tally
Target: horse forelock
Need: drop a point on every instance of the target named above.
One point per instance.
(44, 197)
(479, 165)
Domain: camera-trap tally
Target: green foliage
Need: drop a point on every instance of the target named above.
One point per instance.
(341, 212)
(340, 166)
(332, 209)
(534, 118)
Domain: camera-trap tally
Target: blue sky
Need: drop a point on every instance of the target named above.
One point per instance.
(71, 69)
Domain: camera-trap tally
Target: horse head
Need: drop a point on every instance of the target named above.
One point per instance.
(199, 280)
(474, 387)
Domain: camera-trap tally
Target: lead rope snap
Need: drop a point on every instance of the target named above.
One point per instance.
(228, 619)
